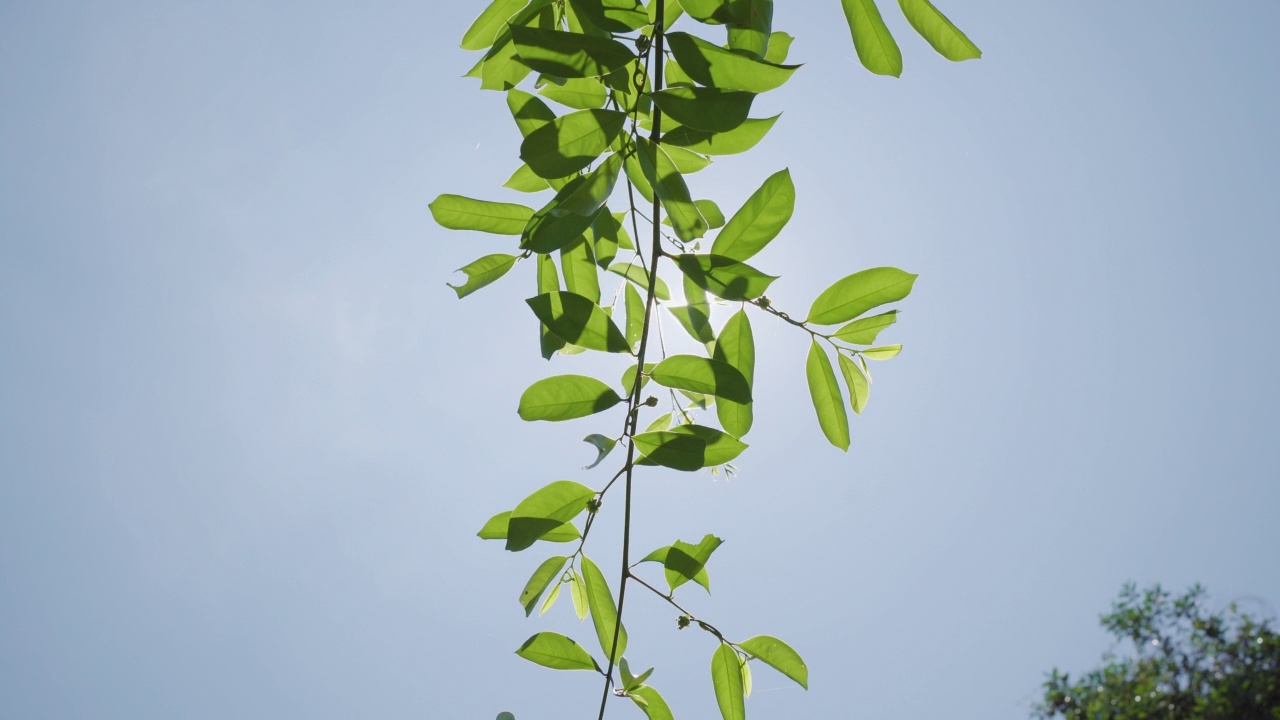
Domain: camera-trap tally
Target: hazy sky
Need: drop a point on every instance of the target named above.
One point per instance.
(247, 434)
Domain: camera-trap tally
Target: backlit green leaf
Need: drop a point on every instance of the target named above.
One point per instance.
(546, 510)
(578, 320)
(548, 281)
(702, 375)
(494, 18)
(740, 139)
(779, 47)
(851, 296)
(581, 276)
(593, 191)
(548, 231)
(629, 377)
(724, 277)
(603, 445)
(759, 220)
(462, 213)
(721, 446)
(749, 27)
(726, 679)
(736, 346)
(635, 315)
(483, 272)
(712, 12)
(571, 142)
(496, 529)
(856, 382)
(640, 277)
(551, 600)
(619, 16)
(526, 180)
(714, 66)
(604, 614)
(547, 572)
(935, 28)
(865, 330)
(671, 190)
(886, 352)
(694, 320)
(569, 55)
(648, 700)
(688, 162)
(577, 93)
(710, 109)
(529, 112)
(684, 561)
(662, 423)
(877, 50)
(779, 656)
(674, 450)
(557, 652)
(827, 400)
(578, 590)
(565, 397)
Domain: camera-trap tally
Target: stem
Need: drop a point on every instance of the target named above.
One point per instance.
(634, 415)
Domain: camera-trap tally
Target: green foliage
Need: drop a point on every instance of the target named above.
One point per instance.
(1187, 663)
(641, 109)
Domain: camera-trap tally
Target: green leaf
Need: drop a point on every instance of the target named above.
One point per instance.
(548, 571)
(565, 397)
(749, 27)
(629, 377)
(662, 423)
(851, 296)
(701, 375)
(726, 679)
(486, 27)
(711, 212)
(640, 277)
(526, 180)
(938, 31)
(544, 511)
(671, 190)
(738, 140)
(724, 277)
(593, 191)
(694, 322)
(688, 162)
(581, 276)
(557, 652)
(779, 47)
(710, 109)
(827, 400)
(635, 315)
(648, 700)
(779, 656)
(577, 320)
(606, 232)
(529, 112)
(746, 677)
(856, 382)
(619, 16)
(759, 220)
(887, 352)
(551, 599)
(604, 614)
(569, 55)
(674, 450)
(578, 590)
(721, 447)
(877, 50)
(631, 682)
(603, 445)
(505, 716)
(483, 272)
(711, 12)
(714, 66)
(571, 142)
(548, 230)
(683, 561)
(864, 331)
(496, 529)
(548, 281)
(462, 213)
(577, 93)
(736, 346)
(501, 69)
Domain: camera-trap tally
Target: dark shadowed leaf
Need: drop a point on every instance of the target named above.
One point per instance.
(496, 529)
(569, 55)
(724, 277)
(714, 66)
(740, 139)
(710, 109)
(546, 510)
(674, 450)
(571, 142)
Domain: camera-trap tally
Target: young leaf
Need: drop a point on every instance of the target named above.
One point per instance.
(759, 220)
(710, 211)
(496, 529)
(581, 277)
(648, 700)
(662, 423)
(877, 50)
(566, 397)
(726, 679)
(604, 614)
(710, 109)
(935, 28)
(859, 388)
(551, 600)
(746, 674)
(865, 330)
(721, 447)
(462, 213)
(569, 55)
(577, 320)
(640, 277)
(779, 656)
(713, 66)
(701, 375)
(779, 47)
(547, 572)
(546, 510)
(629, 377)
(494, 18)
(887, 352)
(577, 93)
(483, 272)
(671, 190)
(674, 450)
(736, 346)
(557, 652)
(723, 277)
(827, 400)
(603, 445)
(738, 140)
(635, 315)
(578, 590)
(851, 296)
(571, 142)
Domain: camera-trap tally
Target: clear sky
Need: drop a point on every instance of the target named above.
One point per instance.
(247, 434)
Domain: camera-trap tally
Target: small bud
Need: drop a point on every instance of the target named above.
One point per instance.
(651, 401)
(682, 622)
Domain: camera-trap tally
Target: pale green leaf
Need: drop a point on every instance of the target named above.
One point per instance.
(726, 680)
(779, 656)
(712, 12)
(525, 180)
(577, 93)
(736, 346)
(749, 26)
(935, 28)
(486, 27)
(746, 676)
(640, 277)
(551, 599)
(571, 142)
(545, 510)
(738, 140)
(865, 330)
(710, 212)
(648, 700)
(702, 375)
(603, 445)
(856, 382)
(462, 213)
(886, 352)
(482, 272)
(721, 447)
(529, 112)
(851, 296)
(548, 281)
(565, 397)
(688, 162)
(578, 591)
(557, 652)
(542, 578)
(604, 614)
(827, 400)
(496, 529)
(581, 276)
(662, 423)
(877, 50)
(635, 315)
(759, 220)
(724, 277)
(714, 66)
(779, 47)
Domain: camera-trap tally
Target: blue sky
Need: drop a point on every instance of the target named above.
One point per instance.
(247, 434)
